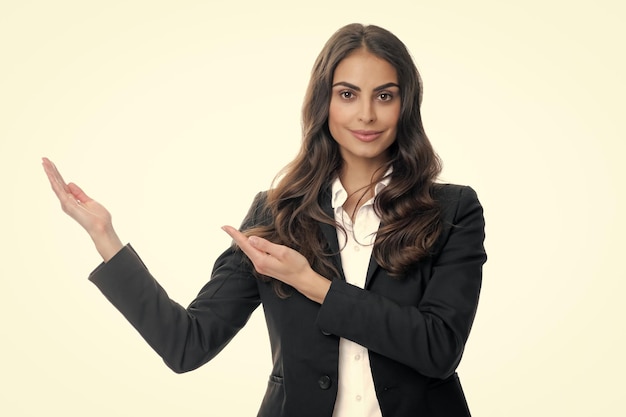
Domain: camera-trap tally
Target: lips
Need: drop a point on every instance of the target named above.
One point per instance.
(366, 135)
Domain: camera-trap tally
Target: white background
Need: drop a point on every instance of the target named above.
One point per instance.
(174, 114)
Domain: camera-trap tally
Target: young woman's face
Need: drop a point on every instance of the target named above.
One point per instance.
(364, 108)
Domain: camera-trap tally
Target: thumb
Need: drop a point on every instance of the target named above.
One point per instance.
(78, 193)
(261, 244)
(256, 241)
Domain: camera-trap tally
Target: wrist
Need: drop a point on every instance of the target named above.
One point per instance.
(314, 286)
(107, 242)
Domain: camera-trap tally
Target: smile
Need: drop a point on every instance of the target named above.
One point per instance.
(366, 135)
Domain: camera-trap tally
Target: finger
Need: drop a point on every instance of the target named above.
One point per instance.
(56, 180)
(78, 193)
(52, 169)
(69, 202)
(244, 243)
(240, 239)
(258, 243)
(266, 246)
(262, 261)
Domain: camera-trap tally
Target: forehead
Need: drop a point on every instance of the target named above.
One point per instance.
(361, 67)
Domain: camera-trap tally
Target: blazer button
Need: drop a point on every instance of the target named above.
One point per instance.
(325, 382)
(325, 333)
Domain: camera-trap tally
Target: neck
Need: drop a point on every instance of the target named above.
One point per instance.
(355, 177)
(359, 183)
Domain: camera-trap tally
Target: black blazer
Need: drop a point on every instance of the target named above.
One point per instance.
(415, 328)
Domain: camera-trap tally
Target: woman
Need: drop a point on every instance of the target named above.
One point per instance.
(369, 272)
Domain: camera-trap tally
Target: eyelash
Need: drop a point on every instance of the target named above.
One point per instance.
(343, 94)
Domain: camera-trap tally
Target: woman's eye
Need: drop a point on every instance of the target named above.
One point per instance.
(385, 96)
(346, 94)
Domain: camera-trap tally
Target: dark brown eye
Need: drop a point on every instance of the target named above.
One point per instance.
(346, 95)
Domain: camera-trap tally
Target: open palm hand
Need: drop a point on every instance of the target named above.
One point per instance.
(90, 214)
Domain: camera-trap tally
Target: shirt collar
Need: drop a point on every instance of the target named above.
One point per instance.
(339, 195)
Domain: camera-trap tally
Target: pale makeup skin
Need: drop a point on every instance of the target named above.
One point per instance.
(363, 117)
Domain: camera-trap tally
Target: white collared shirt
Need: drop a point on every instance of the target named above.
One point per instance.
(356, 395)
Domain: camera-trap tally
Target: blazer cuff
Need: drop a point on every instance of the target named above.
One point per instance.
(339, 301)
(119, 269)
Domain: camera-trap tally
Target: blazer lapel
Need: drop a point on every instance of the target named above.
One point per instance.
(371, 270)
(330, 232)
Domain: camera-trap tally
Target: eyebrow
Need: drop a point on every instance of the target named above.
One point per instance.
(354, 87)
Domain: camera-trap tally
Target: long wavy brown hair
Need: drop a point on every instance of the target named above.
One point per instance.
(410, 217)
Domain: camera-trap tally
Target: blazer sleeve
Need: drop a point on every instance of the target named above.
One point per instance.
(429, 336)
(185, 338)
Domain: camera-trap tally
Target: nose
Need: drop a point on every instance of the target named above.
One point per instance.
(366, 112)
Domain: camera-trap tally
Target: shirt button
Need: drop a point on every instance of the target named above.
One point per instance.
(357, 357)
(358, 398)
(356, 248)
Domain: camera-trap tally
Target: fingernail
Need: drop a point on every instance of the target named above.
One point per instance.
(253, 240)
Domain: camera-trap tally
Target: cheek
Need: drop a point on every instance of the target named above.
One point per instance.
(393, 116)
(392, 120)
(334, 112)
(336, 116)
